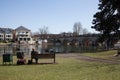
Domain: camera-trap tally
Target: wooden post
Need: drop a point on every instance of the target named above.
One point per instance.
(54, 57)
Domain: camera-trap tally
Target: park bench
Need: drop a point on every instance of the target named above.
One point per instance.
(44, 56)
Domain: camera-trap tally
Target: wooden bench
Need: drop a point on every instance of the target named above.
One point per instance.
(44, 56)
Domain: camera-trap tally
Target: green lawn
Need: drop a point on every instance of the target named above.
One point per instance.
(65, 69)
(104, 54)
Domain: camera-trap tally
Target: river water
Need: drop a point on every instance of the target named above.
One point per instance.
(12, 49)
(42, 48)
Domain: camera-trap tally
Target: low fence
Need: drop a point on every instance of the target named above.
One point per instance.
(59, 49)
(12, 49)
(78, 49)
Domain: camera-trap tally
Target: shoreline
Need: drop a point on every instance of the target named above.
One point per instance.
(3, 44)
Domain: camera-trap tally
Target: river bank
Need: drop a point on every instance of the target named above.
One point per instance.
(3, 44)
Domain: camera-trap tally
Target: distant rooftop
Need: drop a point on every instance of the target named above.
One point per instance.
(21, 28)
(6, 30)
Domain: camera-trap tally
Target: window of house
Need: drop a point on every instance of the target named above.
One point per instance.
(20, 39)
(24, 39)
(9, 35)
(28, 39)
(1, 35)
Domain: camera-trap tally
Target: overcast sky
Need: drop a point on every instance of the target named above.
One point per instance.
(58, 15)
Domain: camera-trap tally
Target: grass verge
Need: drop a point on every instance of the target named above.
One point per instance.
(65, 69)
(104, 54)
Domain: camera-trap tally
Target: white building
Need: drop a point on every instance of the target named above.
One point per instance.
(23, 34)
(6, 34)
(1, 36)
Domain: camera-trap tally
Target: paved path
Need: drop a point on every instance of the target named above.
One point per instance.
(87, 58)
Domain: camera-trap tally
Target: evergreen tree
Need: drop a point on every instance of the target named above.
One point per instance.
(107, 19)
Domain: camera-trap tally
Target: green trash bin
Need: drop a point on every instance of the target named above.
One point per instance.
(7, 58)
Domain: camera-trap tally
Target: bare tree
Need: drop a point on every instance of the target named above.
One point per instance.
(43, 32)
(77, 28)
(85, 31)
(35, 33)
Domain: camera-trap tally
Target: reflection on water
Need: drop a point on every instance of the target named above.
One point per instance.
(41, 48)
(13, 48)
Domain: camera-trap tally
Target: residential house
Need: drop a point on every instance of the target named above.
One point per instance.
(6, 34)
(23, 34)
(1, 34)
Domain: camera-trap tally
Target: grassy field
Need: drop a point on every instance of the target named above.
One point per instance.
(104, 54)
(65, 69)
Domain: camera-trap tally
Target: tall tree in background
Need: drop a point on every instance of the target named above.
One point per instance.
(77, 28)
(85, 31)
(107, 20)
(43, 32)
